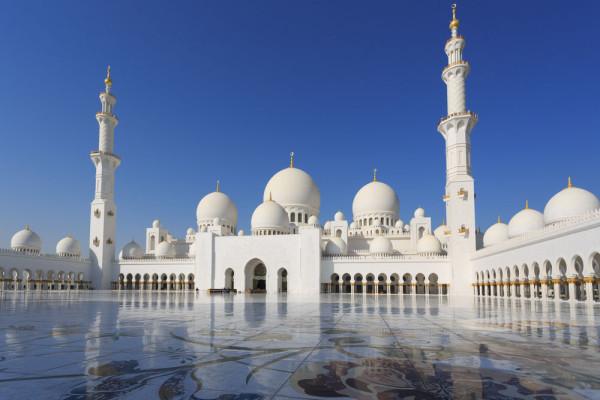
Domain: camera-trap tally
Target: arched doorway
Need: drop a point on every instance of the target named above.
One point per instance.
(229, 280)
(255, 276)
(282, 280)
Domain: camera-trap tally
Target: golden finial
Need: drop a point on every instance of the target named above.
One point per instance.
(498, 219)
(27, 227)
(455, 23)
(132, 240)
(527, 204)
(270, 197)
(108, 81)
(69, 234)
(375, 175)
(570, 184)
(217, 185)
(292, 159)
(443, 221)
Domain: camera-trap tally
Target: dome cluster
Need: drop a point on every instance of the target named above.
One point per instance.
(569, 202)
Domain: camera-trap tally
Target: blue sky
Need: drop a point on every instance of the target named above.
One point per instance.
(211, 90)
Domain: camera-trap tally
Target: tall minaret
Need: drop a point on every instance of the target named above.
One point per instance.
(103, 210)
(456, 128)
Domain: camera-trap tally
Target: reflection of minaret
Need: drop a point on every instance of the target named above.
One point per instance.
(103, 212)
(456, 128)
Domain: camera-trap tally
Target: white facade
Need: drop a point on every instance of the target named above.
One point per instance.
(554, 254)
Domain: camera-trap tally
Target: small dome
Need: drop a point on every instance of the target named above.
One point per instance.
(241, 232)
(526, 220)
(170, 237)
(292, 187)
(336, 247)
(313, 220)
(407, 228)
(569, 202)
(339, 216)
(157, 223)
(270, 215)
(375, 198)
(132, 250)
(216, 221)
(353, 225)
(190, 231)
(165, 250)
(419, 213)
(496, 233)
(204, 229)
(399, 224)
(192, 250)
(439, 232)
(26, 240)
(429, 244)
(217, 205)
(380, 245)
(68, 247)
(327, 225)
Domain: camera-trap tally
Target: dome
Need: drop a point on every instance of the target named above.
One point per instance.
(439, 232)
(375, 198)
(132, 250)
(336, 247)
(26, 240)
(241, 232)
(292, 187)
(68, 247)
(327, 225)
(380, 245)
(569, 202)
(165, 250)
(407, 228)
(217, 205)
(399, 224)
(526, 220)
(157, 223)
(353, 225)
(419, 213)
(496, 233)
(190, 231)
(270, 215)
(192, 250)
(313, 220)
(429, 244)
(339, 216)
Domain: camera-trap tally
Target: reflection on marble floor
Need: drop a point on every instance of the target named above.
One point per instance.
(185, 346)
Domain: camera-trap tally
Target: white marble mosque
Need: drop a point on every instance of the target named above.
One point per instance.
(292, 248)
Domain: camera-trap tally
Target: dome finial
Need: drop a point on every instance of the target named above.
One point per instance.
(570, 184)
(132, 240)
(270, 196)
(498, 219)
(217, 185)
(375, 175)
(443, 221)
(454, 23)
(27, 227)
(69, 234)
(292, 159)
(108, 81)
(527, 204)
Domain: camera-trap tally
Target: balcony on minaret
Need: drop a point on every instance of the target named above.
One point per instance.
(446, 197)
(463, 194)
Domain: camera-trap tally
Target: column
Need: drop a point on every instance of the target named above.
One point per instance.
(556, 285)
(572, 289)
(589, 289)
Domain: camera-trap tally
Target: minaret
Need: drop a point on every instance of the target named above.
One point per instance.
(456, 128)
(103, 209)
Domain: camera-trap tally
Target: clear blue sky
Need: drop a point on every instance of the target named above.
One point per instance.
(211, 90)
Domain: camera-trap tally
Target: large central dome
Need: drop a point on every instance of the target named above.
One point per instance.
(293, 187)
(375, 198)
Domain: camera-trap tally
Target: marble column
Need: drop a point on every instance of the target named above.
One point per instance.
(589, 289)
(556, 285)
(572, 289)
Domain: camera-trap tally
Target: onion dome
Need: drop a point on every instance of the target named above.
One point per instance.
(270, 216)
(419, 213)
(26, 240)
(353, 225)
(68, 247)
(526, 220)
(336, 247)
(217, 205)
(190, 231)
(569, 202)
(429, 244)
(157, 223)
(132, 250)
(192, 250)
(381, 245)
(375, 198)
(439, 232)
(241, 232)
(327, 225)
(399, 224)
(313, 220)
(496, 233)
(165, 250)
(292, 187)
(339, 216)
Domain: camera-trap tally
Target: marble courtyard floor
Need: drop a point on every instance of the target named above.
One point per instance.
(132, 345)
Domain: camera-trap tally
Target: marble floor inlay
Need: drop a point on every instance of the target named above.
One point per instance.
(183, 345)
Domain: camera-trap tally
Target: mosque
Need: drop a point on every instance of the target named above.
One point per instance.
(554, 254)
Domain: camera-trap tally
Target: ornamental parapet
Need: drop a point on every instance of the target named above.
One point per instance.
(454, 64)
(113, 96)
(455, 38)
(107, 114)
(458, 114)
(42, 255)
(105, 153)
